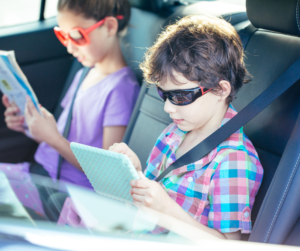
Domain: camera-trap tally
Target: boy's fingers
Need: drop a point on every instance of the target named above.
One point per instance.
(138, 191)
(138, 198)
(142, 176)
(139, 183)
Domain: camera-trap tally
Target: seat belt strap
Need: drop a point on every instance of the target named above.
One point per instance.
(281, 84)
(69, 119)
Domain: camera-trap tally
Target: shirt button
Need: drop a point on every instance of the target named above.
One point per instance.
(190, 179)
(246, 215)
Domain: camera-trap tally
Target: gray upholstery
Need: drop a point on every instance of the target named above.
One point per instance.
(276, 15)
(140, 35)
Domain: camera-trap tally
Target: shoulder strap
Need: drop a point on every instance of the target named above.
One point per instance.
(69, 119)
(281, 84)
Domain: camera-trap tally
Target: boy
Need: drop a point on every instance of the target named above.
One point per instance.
(197, 65)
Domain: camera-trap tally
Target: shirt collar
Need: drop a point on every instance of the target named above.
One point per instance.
(176, 136)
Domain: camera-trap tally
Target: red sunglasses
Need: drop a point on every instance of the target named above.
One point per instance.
(77, 35)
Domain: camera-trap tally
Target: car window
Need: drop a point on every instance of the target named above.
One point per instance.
(236, 2)
(15, 12)
(50, 8)
(27, 201)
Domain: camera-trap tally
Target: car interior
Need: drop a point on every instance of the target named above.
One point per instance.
(269, 30)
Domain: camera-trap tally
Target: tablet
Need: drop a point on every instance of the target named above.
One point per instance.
(110, 173)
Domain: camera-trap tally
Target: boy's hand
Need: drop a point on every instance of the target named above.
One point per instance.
(41, 128)
(149, 193)
(12, 120)
(123, 148)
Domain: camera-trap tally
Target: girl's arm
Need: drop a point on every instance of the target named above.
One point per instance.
(44, 129)
(111, 135)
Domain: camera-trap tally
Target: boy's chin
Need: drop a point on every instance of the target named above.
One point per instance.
(184, 128)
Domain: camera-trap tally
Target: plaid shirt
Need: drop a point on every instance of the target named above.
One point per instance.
(218, 190)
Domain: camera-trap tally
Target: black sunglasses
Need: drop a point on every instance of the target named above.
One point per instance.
(182, 97)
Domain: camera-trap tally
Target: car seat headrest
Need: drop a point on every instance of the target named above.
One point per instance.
(275, 15)
(148, 5)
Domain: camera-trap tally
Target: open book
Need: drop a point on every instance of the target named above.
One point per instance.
(13, 82)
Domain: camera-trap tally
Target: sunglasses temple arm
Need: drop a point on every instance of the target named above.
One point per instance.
(88, 30)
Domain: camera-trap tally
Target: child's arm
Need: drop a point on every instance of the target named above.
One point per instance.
(150, 194)
(111, 135)
(44, 129)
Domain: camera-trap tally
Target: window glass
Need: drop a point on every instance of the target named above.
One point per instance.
(50, 8)
(236, 2)
(14, 12)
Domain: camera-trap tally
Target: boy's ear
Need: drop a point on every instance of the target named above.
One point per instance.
(112, 26)
(226, 89)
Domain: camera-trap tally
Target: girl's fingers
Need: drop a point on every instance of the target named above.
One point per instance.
(31, 108)
(17, 128)
(5, 101)
(11, 110)
(14, 119)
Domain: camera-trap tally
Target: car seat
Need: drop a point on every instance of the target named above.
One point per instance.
(271, 47)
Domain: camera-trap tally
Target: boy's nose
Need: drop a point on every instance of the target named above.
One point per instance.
(169, 107)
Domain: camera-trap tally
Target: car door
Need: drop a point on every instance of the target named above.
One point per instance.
(43, 60)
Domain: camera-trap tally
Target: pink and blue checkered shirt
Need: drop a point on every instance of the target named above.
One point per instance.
(219, 190)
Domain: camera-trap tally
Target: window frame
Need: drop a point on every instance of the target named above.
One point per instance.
(42, 10)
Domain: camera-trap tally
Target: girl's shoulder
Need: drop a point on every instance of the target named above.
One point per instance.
(124, 77)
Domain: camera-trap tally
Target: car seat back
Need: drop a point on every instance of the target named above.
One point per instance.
(270, 51)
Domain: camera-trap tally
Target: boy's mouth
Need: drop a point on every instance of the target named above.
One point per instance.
(178, 121)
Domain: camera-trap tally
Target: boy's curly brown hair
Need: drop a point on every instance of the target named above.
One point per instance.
(203, 49)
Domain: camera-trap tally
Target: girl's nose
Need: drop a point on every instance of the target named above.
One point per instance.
(169, 107)
(71, 47)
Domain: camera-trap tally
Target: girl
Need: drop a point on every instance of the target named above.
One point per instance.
(197, 65)
(104, 100)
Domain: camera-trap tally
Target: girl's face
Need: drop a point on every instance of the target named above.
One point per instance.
(203, 111)
(101, 39)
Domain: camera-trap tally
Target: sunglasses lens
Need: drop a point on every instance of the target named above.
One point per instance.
(77, 37)
(160, 93)
(182, 98)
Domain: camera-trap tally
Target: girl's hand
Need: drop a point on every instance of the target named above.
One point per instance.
(12, 120)
(149, 193)
(41, 128)
(123, 148)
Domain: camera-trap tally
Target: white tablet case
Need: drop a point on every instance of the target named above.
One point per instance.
(110, 173)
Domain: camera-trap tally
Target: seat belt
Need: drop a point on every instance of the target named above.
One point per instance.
(281, 84)
(69, 119)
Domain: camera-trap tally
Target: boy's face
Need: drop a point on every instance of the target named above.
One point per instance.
(208, 109)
